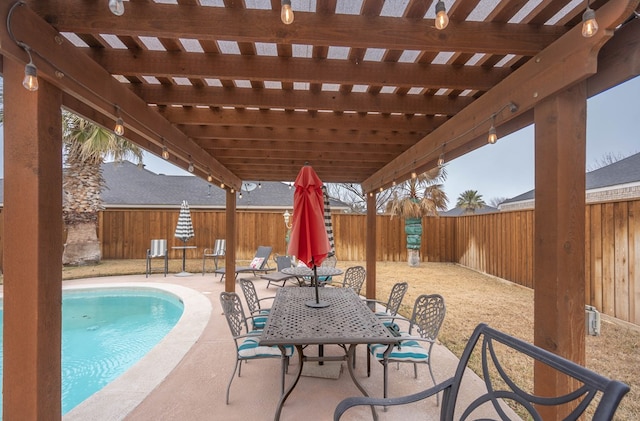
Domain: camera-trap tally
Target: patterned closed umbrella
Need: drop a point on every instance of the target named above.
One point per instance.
(184, 232)
(184, 229)
(327, 222)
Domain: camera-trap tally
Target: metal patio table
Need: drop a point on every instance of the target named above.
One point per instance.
(346, 321)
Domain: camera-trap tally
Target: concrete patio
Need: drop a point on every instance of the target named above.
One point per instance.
(192, 371)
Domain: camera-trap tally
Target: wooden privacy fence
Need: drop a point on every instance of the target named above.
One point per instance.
(499, 244)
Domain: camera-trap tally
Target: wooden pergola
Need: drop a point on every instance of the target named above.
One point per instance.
(366, 91)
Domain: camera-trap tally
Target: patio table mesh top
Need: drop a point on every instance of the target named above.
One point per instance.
(347, 319)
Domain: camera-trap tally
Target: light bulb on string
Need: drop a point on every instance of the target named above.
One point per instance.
(286, 13)
(493, 135)
(442, 19)
(165, 153)
(119, 127)
(30, 81)
(589, 23)
(116, 7)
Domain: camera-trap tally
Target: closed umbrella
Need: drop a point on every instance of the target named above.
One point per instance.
(327, 222)
(184, 231)
(309, 240)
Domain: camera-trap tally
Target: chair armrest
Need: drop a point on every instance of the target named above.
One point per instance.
(266, 298)
(344, 405)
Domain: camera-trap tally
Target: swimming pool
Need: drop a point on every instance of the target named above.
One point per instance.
(106, 330)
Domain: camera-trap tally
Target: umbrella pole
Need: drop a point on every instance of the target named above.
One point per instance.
(316, 303)
(184, 260)
(315, 282)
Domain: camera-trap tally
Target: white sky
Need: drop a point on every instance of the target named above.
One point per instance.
(506, 169)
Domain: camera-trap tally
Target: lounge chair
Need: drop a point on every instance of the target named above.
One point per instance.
(259, 264)
(277, 277)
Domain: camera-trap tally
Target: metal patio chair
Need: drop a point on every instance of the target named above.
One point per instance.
(259, 314)
(424, 326)
(591, 390)
(157, 250)
(246, 341)
(392, 305)
(354, 278)
(215, 253)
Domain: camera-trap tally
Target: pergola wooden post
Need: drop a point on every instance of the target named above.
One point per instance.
(230, 233)
(371, 246)
(560, 134)
(33, 248)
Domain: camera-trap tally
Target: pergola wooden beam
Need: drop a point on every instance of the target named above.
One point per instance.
(299, 119)
(275, 136)
(305, 100)
(263, 68)
(245, 25)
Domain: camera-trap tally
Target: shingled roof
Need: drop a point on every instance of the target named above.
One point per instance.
(619, 173)
(129, 185)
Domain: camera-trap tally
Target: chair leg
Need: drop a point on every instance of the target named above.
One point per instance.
(368, 361)
(203, 260)
(433, 379)
(148, 268)
(385, 366)
(235, 368)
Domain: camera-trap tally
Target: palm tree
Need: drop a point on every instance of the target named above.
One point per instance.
(86, 146)
(418, 197)
(470, 200)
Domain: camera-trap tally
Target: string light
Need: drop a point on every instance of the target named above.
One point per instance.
(165, 153)
(209, 178)
(30, 81)
(222, 185)
(116, 7)
(442, 19)
(441, 160)
(190, 168)
(493, 135)
(286, 13)
(240, 195)
(259, 185)
(414, 175)
(118, 129)
(589, 24)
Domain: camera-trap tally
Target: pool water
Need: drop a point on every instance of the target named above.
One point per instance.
(104, 332)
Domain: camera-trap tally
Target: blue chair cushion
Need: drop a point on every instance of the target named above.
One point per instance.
(260, 320)
(249, 348)
(409, 351)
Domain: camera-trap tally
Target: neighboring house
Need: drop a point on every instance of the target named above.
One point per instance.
(128, 185)
(458, 211)
(617, 181)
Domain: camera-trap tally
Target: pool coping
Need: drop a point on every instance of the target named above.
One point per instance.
(121, 396)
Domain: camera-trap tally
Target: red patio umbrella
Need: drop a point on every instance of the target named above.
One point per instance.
(309, 241)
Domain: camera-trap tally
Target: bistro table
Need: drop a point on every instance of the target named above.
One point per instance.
(302, 272)
(346, 321)
(184, 249)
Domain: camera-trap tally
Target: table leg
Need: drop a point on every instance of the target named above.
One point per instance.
(351, 353)
(286, 394)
